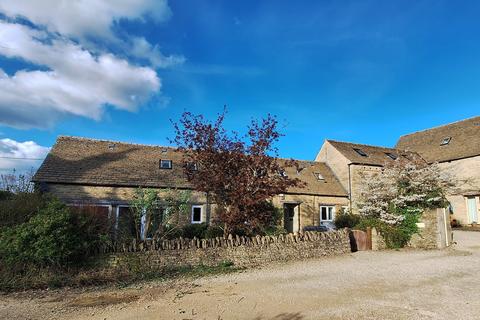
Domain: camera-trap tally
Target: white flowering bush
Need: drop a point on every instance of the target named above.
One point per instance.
(395, 197)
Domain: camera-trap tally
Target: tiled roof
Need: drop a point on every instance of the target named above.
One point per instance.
(377, 156)
(75, 160)
(464, 141)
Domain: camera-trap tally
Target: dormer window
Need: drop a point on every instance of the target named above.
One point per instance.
(165, 164)
(360, 152)
(319, 176)
(391, 155)
(192, 166)
(446, 141)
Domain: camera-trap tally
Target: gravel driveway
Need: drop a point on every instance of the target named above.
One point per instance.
(364, 285)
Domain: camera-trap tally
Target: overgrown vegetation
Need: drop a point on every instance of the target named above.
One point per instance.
(346, 219)
(155, 215)
(394, 199)
(52, 237)
(51, 277)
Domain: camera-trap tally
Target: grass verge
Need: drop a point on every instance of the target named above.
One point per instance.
(43, 278)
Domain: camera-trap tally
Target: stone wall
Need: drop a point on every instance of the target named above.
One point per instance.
(433, 233)
(242, 251)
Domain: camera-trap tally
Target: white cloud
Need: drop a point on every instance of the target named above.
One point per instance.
(23, 152)
(84, 18)
(74, 78)
(77, 83)
(141, 48)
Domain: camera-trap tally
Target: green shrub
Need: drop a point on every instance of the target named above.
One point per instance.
(346, 219)
(194, 230)
(53, 237)
(365, 222)
(5, 195)
(395, 236)
(213, 231)
(201, 231)
(18, 208)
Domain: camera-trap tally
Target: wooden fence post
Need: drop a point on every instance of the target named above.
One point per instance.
(369, 238)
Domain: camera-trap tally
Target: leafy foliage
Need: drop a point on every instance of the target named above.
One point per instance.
(17, 208)
(53, 237)
(201, 231)
(395, 198)
(239, 173)
(346, 219)
(143, 205)
(162, 214)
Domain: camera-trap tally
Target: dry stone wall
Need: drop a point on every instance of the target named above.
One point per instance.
(242, 251)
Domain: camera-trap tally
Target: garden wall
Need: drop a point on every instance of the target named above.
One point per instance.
(434, 232)
(242, 251)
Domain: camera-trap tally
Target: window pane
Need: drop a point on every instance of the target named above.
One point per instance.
(197, 214)
(165, 164)
(330, 213)
(125, 224)
(324, 213)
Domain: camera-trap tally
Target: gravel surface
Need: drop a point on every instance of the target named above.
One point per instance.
(403, 284)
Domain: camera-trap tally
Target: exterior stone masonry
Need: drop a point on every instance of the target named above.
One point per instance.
(309, 205)
(434, 232)
(242, 251)
(466, 174)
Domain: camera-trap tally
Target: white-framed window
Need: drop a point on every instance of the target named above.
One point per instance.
(327, 213)
(124, 222)
(197, 212)
(165, 164)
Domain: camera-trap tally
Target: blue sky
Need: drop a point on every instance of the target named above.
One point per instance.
(361, 71)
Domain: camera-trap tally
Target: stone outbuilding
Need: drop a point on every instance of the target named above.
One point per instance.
(456, 148)
(104, 175)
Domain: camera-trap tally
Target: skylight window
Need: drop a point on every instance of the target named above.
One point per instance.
(319, 176)
(165, 164)
(446, 141)
(391, 155)
(192, 166)
(283, 173)
(360, 152)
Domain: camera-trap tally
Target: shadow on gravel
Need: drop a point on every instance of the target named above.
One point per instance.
(284, 316)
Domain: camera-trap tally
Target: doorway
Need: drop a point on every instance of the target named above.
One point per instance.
(472, 209)
(291, 217)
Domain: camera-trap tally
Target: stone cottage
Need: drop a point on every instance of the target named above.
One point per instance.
(104, 174)
(352, 163)
(456, 148)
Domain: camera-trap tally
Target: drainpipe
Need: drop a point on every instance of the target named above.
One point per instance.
(208, 208)
(446, 226)
(350, 186)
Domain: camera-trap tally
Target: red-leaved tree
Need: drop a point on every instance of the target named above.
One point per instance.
(239, 174)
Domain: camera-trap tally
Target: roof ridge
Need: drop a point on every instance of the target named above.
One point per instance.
(439, 126)
(113, 141)
(363, 144)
